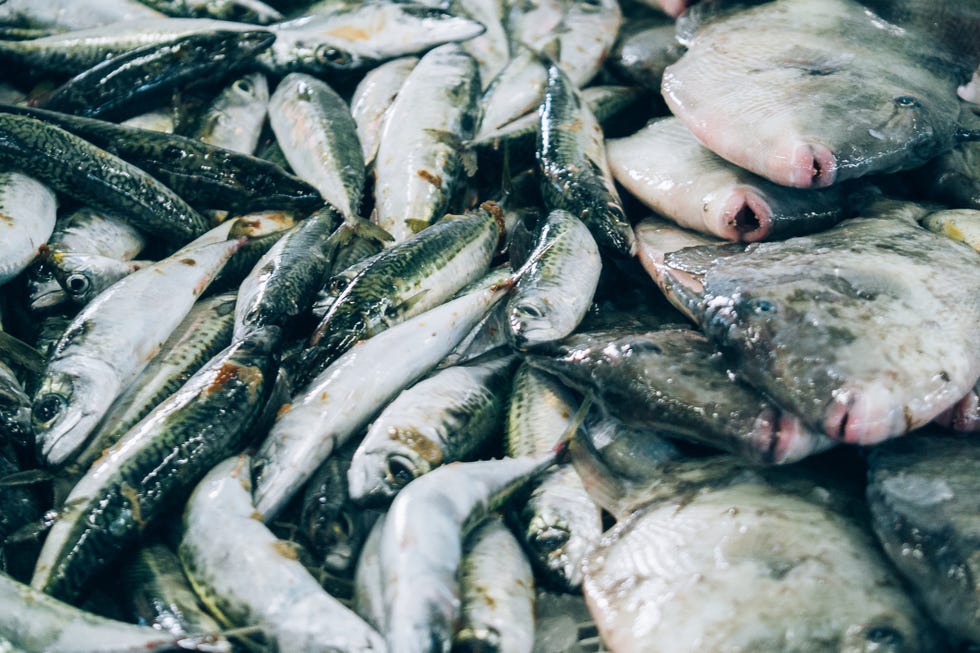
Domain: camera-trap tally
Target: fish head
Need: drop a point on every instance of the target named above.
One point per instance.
(43, 290)
(68, 405)
(375, 477)
(84, 276)
(529, 322)
(549, 536)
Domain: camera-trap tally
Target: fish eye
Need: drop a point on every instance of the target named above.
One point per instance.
(399, 471)
(243, 85)
(907, 101)
(530, 310)
(48, 408)
(77, 283)
(331, 56)
(883, 639)
(762, 306)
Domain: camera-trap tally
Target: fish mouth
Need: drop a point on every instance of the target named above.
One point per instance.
(866, 416)
(809, 166)
(746, 217)
(782, 438)
(56, 444)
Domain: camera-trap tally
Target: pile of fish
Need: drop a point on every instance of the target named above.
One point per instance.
(490, 325)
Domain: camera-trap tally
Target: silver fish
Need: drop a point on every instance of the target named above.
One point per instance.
(371, 99)
(419, 157)
(234, 118)
(27, 218)
(66, 15)
(84, 276)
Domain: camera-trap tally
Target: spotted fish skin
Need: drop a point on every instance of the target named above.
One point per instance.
(575, 176)
(815, 321)
(157, 463)
(56, 157)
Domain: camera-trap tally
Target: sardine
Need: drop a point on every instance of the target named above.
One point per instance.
(246, 11)
(84, 276)
(372, 98)
(234, 118)
(72, 15)
(27, 218)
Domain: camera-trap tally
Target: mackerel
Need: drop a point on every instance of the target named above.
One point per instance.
(245, 11)
(67, 15)
(419, 159)
(201, 335)
(407, 279)
(317, 134)
(27, 218)
(446, 417)
(517, 89)
(157, 463)
(233, 120)
(207, 176)
(84, 276)
(572, 159)
(372, 98)
(248, 576)
(347, 394)
(54, 157)
(109, 343)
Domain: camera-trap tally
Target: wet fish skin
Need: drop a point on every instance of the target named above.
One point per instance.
(319, 138)
(675, 382)
(84, 276)
(497, 592)
(55, 157)
(964, 416)
(69, 15)
(405, 280)
(200, 336)
(575, 176)
(157, 463)
(234, 118)
(804, 301)
(207, 176)
(248, 576)
(727, 565)
(27, 219)
(777, 57)
(923, 492)
(108, 343)
(643, 51)
(446, 417)
(552, 297)
(244, 11)
(114, 87)
(665, 167)
(372, 97)
(160, 595)
(419, 160)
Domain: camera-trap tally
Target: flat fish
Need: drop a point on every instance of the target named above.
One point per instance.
(664, 166)
(727, 566)
(924, 493)
(808, 93)
(851, 329)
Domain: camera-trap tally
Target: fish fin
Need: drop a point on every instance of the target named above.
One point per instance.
(561, 448)
(408, 303)
(607, 489)
(367, 229)
(416, 225)
(26, 478)
(446, 137)
(20, 353)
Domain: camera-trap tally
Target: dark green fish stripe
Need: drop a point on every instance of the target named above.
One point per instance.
(119, 86)
(202, 424)
(569, 180)
(95, 177)
(204, 175)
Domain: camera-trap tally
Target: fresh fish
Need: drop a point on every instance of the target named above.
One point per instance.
(422, 542)
(73, 15)
(959, 224)
(201, 335)
(552, 298)
(33, 621)
(380, 31)
(335, 527)
(19, 506)
(405, 280)
(643, 51)
(572, 159)
(950, 24)
(675, 383)
(282, 284)
(372, 97)
(953, 178)
(491, 49)
(85, 276)
(157, 463)
(726, 566)
(207, 176)
(53, 156)
(924, 497)
(877, 98)
(497, 592)
(15, 408)
(245, 11)
(587, 34)
(79, 232)
(248, 576)
(670, 7)
(535, 22)
(665, 167)
(113, 88)
(795, 316)
(368, 579)
(161, 596)
(234, 118)
(160, 120)
(27, 218)
(111, 340)
(319, 138)
(517, 89)
(629, 453)
(419, 157)
(446, 417)
(347, 394)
